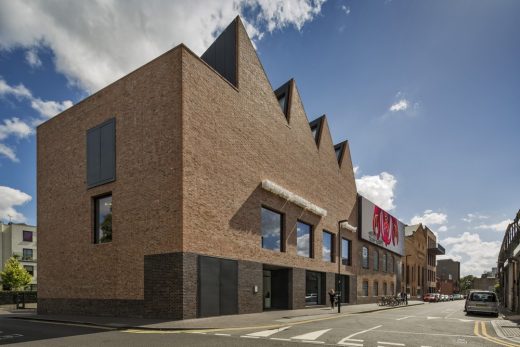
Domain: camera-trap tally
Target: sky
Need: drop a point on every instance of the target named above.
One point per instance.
(426, 92)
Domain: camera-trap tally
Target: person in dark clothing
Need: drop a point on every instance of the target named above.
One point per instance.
(332, 298)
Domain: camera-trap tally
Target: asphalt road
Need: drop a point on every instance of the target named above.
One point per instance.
(439, 324)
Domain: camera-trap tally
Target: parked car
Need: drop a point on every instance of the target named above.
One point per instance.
(430, 297)
(482, 302)
(457, 297)
(437, 297)
(450, 297)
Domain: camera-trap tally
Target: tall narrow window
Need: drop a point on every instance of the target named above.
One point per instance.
(364, 255)
(103, 219)
(384, 289)
(271, 230)
(282, 100)
(303, 239)
(391, 268)
(376, 289)
(327, 246)
(101, 154)
(345, 252)
(376, 260)
(385, 265)
(365, 288)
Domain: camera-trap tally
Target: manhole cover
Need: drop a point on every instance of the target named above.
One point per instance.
(462, 341)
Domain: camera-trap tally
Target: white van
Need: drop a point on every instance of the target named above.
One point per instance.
(482, 302)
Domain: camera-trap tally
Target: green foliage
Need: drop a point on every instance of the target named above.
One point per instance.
(106, 226)
(14, 276)
(466, 283)
(497, 288)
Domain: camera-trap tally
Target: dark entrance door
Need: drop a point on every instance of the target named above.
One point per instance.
(218, 286)
(276, 288)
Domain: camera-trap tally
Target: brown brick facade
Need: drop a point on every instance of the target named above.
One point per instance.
(192, 151)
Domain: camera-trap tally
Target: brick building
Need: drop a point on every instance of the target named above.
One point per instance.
(19, 239)
(418, 267)
(190, 188)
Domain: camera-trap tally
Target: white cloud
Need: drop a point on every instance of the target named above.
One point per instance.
(8, 152)
(401, 105)
(500, 226)
(443, 229)
(345, 9)
(50, 108)
(475, 255)
(31, 57)
(9, 198)
(18, 91)
(379, 189)
(470, 217)
(356, 170)
(430, 218)
(15, 127)
(96, 42)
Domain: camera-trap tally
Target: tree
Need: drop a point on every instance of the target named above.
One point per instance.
(466, 283)
(14, 275)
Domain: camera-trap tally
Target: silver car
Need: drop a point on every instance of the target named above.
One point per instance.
(482, 302)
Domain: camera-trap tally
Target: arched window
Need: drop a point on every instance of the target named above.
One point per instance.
(376, 260)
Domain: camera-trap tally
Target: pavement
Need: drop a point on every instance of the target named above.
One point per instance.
(267, 319)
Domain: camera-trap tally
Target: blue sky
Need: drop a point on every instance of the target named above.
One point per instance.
(426, 92)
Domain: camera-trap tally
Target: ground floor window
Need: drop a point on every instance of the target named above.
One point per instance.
(392, 292)
(314, 288)
(365, 288)
(375, 289)
(385, 292)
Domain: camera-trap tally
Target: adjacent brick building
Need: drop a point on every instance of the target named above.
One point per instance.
(419, 263)
(190, 188)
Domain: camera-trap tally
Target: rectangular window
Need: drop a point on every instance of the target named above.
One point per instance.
(101, 154)
(385, 269)
(327, 246)
(345, 252)
(364, 255)
(27, 254)
(376, 289)
(385, 289)
(27, 236)
(303, 239)
(314, 287)
(103, 219)
(376, 260)
(271, 230)
(365, 288)
(391, 289)
(30, 269)
(391, 264)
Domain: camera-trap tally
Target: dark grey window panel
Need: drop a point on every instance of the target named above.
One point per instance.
(222, 54)
(228, 287)
(101, 154)
(316, 128)
(283, 93)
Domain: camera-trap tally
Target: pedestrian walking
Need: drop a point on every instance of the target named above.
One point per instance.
(332, 298)
(406, 298)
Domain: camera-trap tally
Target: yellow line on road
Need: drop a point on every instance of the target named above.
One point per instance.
(489, 338)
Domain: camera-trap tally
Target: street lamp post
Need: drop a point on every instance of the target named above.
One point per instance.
(340, 259)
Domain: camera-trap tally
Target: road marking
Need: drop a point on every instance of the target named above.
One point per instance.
(402, 318)
(358, 333)
(250, 337)
(310, 336)
(433, 317)
(489, 338)
(309, 341)
(267, 333)
(218, 334)
(279, 339)
(351, 344)
(391, 343)
(427, 334)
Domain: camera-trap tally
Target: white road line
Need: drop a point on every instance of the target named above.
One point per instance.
(349, 338)
(250, 337)
(402, 318)
(390, 343)
(198, 332)
(427, 334)
(351, 344)
(267, 333)
(433, 317)
(279, 339)
(310, 336)
(218, 334)
(309, 341)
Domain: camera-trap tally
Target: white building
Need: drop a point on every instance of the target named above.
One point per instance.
(19, 239)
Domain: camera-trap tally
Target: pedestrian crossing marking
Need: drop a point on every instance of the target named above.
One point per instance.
(310, 336)
(267, 333)
(390, 343)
